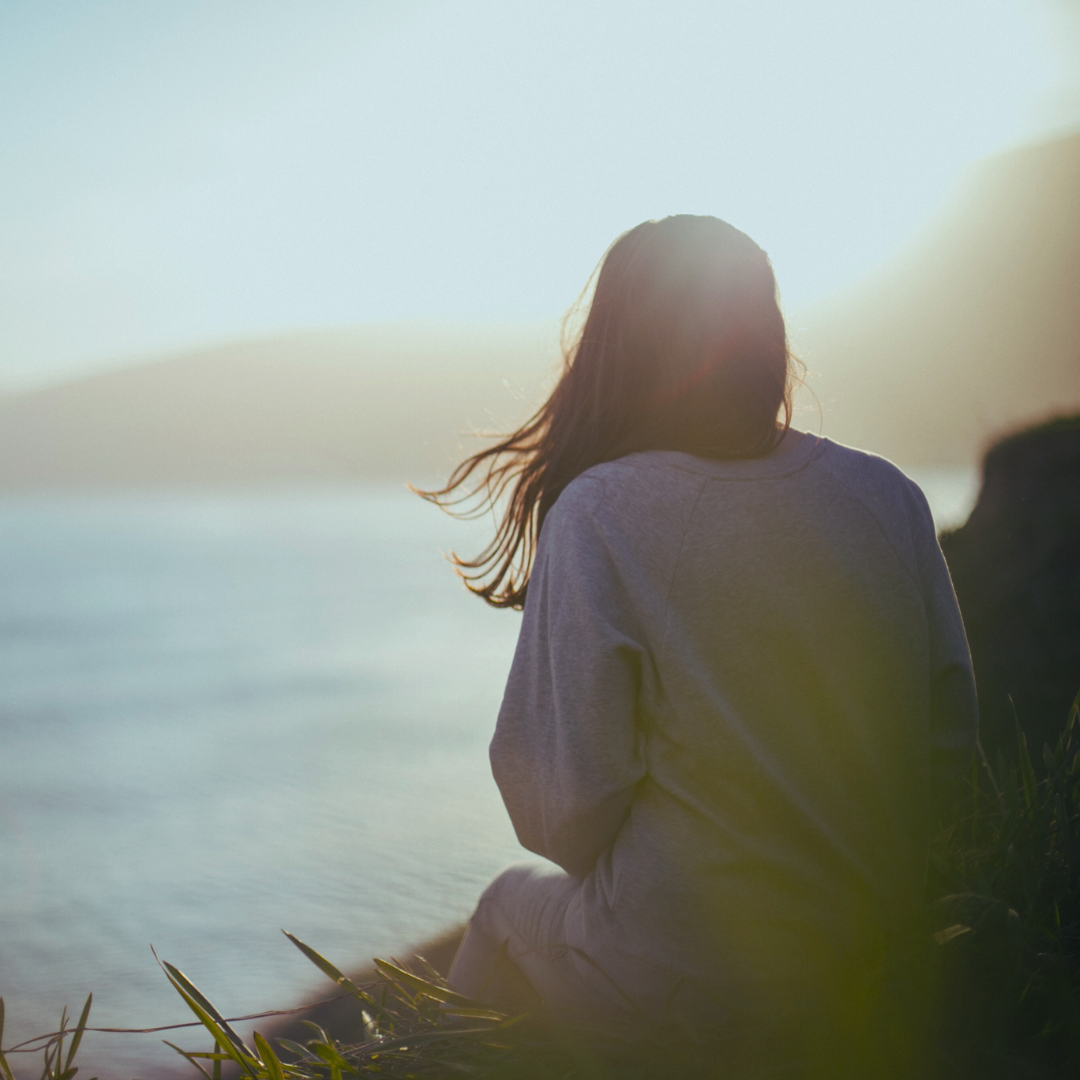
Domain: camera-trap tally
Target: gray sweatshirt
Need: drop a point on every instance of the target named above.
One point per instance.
(736, 686)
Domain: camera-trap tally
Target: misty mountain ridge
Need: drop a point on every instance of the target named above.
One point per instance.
(974, 330)
(388, 401)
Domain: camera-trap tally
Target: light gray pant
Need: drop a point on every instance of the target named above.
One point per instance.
(515, 955)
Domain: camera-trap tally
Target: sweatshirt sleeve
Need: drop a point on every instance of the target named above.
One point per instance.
(954, 708)
(566, 752)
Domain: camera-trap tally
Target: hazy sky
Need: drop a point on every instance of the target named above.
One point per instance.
(178, 171)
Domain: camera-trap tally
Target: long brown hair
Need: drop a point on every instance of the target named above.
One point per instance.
(683, 348)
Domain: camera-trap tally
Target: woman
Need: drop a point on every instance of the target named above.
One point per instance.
(741, 677)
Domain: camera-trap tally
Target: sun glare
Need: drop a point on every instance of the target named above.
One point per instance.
(180, 174)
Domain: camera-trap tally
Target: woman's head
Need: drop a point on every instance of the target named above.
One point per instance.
(683, 347)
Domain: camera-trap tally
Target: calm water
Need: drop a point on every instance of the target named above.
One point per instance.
(225, 714)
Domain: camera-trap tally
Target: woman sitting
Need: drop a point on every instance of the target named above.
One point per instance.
(741, 680)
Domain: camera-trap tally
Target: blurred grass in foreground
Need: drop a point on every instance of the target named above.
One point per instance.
(987, 986)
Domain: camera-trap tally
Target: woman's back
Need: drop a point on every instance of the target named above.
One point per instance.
(741, 665)
(723, 712)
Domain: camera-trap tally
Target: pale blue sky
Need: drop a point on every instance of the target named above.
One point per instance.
(182, 171)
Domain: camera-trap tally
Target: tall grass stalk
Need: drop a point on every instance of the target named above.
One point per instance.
(1005, 891)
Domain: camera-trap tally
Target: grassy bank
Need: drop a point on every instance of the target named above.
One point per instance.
(987, 986)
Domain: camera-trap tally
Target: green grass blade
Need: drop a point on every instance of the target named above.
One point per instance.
(1050, 760)
(1027, 773)
(326, 967)
(5, 1068)
(269, 1058)
(432, 990)
(80, 1028)
(47, 1072)
(184, 1054)
(294, 1048)
(1011, 789)
(181, 979)
(236, 1050)
(476, 1012)
(320, 1031)
(60, 1044)
(220, 1038)
(332, 1058)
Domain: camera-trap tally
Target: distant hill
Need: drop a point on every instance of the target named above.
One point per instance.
(973, 331)
(391, 401)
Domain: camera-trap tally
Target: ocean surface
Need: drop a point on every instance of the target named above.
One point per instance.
(225, 714)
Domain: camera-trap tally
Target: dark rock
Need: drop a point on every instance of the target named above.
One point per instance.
(1016, 568)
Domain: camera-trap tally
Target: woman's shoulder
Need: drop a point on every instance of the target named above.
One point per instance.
(881, 485)
(891, 498)
(631, 503)
(638, 483)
